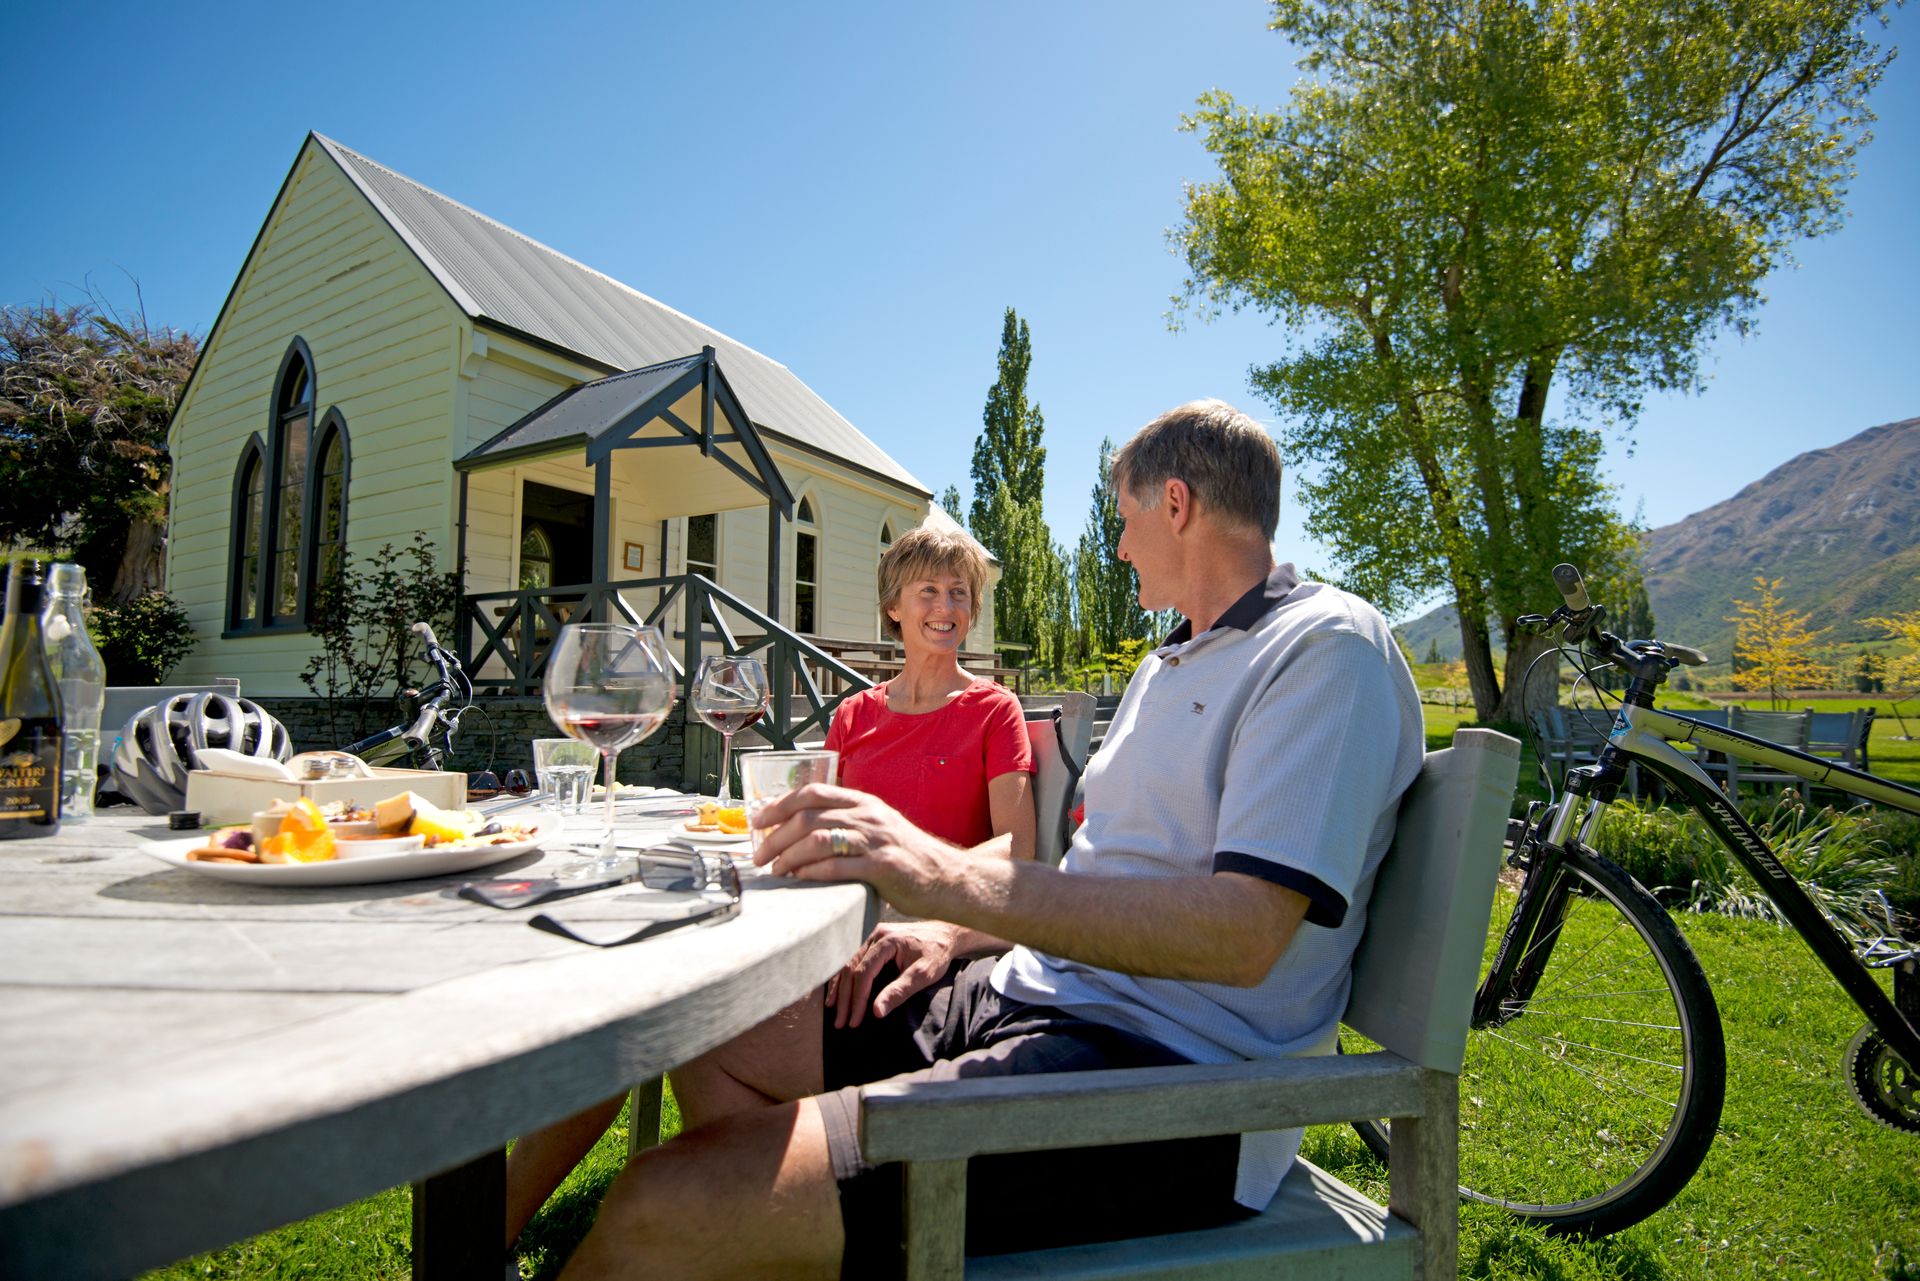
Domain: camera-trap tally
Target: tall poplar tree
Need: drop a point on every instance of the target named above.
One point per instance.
(1472, 210)
(1008, 451)
(1009, 468)
(1109, 595)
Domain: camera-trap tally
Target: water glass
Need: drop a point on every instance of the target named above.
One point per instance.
(767, 776)
(564, 767)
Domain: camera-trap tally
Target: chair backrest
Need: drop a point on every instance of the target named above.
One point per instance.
(1838, 734)
(1419, 960)
(1078, 711)
(1789, 729)
(1056, 770)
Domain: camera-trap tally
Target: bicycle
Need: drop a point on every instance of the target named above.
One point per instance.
(1595, 1038)
(424, 737)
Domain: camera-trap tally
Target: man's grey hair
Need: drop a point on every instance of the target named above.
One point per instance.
(1229, 462)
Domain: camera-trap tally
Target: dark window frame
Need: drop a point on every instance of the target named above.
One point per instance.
(253, 457)
(332, 428)
(281, 410)
(687, 562)
(806, 525)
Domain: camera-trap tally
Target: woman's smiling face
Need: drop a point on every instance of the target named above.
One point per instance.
(934, 613)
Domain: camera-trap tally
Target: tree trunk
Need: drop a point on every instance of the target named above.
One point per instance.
(1520, 695)
(143, 566)
(1477, 648)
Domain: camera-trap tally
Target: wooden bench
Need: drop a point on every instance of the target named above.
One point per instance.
(1414, 976)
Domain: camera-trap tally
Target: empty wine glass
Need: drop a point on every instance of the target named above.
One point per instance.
(730, 694)
(609, 685)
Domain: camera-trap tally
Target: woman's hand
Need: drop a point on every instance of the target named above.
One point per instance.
(924, 951)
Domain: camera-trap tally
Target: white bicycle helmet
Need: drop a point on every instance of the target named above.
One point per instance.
(161, 744)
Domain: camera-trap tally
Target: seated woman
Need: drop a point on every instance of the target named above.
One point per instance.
(947, 750)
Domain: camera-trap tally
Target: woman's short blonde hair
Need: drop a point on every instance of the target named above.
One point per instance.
(929, 553)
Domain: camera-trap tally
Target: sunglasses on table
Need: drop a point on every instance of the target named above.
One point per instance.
(667, 869)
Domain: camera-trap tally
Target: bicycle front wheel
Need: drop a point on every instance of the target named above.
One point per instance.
(1591, 1092)
(1592, 1088)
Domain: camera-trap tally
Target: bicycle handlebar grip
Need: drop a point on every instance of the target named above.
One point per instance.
(1567, 579)
(1687, 654)
(425, 631)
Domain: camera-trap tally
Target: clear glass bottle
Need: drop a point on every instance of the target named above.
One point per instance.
(29, 712)
(82, 679)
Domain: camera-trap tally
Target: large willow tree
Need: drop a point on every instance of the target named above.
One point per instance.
(1490, 229)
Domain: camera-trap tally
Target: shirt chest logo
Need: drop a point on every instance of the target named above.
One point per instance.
(1199, 709)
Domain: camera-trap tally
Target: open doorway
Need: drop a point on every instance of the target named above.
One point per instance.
(556, 537)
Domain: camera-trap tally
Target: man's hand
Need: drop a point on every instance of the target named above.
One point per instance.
(821, 833)
(924, 951)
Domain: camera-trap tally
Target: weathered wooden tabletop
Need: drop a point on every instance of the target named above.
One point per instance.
(185, 1062)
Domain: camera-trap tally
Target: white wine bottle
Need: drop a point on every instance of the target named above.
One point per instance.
(30, 739)
(82, 679)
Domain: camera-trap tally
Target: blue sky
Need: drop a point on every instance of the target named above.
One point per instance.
(858, 190)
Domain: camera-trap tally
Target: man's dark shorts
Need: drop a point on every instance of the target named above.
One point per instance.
(960, 1028)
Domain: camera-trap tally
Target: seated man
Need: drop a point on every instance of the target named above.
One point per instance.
(1207, 912)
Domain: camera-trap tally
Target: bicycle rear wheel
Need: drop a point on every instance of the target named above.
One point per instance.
(1590, 1096)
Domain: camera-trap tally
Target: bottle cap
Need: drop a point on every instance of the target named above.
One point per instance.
(183, 820)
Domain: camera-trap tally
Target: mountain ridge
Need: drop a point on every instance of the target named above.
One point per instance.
(1838, 525)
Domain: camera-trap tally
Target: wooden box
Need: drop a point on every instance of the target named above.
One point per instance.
(230, 798)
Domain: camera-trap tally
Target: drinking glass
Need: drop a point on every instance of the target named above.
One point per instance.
(609, 685)
(565, 770)
(730, 694)
(767, 776)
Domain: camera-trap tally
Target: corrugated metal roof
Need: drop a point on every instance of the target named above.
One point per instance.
(495, 273)
(585, 411)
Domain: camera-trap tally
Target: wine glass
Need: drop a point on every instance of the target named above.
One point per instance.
(730, 694)
(609, 685)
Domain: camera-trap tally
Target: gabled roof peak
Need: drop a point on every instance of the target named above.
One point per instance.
(511, 281)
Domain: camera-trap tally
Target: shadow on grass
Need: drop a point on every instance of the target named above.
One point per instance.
(559, 1228)
(1519, 1250)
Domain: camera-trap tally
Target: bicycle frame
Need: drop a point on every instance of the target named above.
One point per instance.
(1643, 734)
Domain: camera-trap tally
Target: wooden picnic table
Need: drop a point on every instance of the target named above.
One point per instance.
(189, 1062)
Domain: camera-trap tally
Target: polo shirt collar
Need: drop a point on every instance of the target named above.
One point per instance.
(1260, 600)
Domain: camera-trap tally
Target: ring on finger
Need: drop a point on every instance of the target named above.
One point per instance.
(837, 841)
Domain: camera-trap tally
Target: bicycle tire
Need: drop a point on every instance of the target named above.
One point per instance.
(1580, 1122)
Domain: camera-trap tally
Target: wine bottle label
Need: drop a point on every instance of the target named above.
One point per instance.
(29, 771)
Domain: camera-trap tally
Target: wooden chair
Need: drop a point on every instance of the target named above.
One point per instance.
(1840, 736)
(1058, 728)
(1789, 729)
(1414, 976)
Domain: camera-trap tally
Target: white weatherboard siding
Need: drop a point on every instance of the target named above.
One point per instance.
(383, 339)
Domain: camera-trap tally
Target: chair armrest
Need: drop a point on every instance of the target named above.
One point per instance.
(953, 1120)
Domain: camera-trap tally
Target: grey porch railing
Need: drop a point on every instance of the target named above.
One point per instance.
(518, 629)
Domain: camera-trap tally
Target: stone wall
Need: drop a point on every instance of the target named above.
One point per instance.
(498, 733)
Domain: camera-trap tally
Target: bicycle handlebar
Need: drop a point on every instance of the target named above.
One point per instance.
(1572, 588)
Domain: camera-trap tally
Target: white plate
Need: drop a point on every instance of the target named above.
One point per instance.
(679, 832)
(439, 861)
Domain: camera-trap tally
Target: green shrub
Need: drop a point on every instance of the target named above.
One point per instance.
(362, 616)
(142, 640)
(1838, 856)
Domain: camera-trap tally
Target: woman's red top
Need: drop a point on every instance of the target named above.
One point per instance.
(934, 767)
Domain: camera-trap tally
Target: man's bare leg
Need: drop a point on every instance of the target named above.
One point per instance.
(750, 1194)
(777, 1061)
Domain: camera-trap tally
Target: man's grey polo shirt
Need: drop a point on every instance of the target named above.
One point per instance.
(1276, 744)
